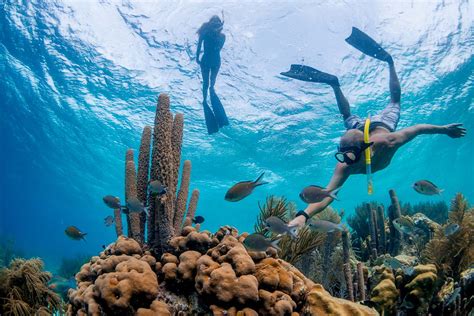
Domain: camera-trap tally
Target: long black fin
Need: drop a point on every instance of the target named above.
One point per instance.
(211, 122)
(367, 45)
(259, 181)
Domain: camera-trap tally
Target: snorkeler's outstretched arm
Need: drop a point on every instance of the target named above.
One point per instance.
(403, 136)
(198, 51)
(340, 175)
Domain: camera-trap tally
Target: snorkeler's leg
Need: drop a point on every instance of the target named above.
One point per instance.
(214, 73)
(394, 85)
(219, 111)
(342, 102)
(205, 71)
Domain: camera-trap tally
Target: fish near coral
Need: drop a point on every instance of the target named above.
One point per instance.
(74, 233)
(257, 242)
(427, 188)
(112, 201)
(451, 229)
(325, 226)
(135, 206)
(315, 194)
(198, 220)
(155, 187)
(279, 227)
(109, 220)
(243, 189)
(404, 225)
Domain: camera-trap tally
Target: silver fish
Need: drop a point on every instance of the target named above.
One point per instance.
(315, 194)
(405, 226)
(279, 227)
(325, 226)
(112, 201)
(109, 220)
(135, 206)
(427, 188)
(156, 187)
(258, 242)
(451, 229)
(243, 189)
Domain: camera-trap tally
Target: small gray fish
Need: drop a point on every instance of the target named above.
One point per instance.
(427, 188)
(243, 189)
(451, 229)
(109, 220)
(279, 227)
(112, 201)
(405, 226)
(135, 206)
(315, 194)
(74, 233)
(258, 242)
(325, 226)
(157, 188)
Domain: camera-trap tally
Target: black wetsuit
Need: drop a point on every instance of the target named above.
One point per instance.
(211, 59)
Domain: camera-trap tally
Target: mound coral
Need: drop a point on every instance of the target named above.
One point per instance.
(203, 273)
(385, 293)
(24, 289)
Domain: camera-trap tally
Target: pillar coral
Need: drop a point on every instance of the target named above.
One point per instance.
(131, 192)
(142, 175)
(182, 198)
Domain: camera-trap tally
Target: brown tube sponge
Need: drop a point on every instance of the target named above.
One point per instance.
(128, 157)
(381, 229)
(394, 212)
(162, 170)
(118, 222)
(192, 208)
(373, 232)
(361, 281)
(131, 191)
(142, 174)
(181, 200)
(347, 264)
(176, 143)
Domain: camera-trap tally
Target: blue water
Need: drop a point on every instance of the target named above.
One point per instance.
(80, 80)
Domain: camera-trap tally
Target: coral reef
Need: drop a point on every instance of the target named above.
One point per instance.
(436, 211)
(385, 293)
(24, 289)
(203, 273)
(453, 254)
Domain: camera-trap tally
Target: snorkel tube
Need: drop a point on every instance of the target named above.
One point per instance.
(368, 158)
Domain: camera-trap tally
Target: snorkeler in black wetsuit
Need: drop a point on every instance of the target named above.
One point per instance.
(210, 34)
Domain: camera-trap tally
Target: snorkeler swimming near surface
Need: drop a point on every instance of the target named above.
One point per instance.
(212, 38)
(384, 139)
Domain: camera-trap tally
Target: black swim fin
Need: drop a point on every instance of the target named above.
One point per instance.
(211, 121)
(306, 73)
(368, 45)
(218, 109)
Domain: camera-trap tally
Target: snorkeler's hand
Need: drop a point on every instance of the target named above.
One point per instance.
(298, 221)
(455, 130)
